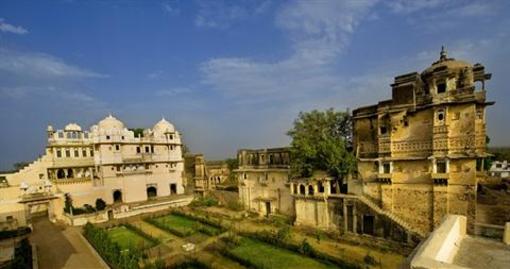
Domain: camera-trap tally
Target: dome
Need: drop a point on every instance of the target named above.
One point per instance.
(446, 63)
(73, 127)
(111, 122)
(163, 126)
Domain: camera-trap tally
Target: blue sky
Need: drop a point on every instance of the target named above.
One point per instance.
(228, 74)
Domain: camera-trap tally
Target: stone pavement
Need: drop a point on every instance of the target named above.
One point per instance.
(62, 247)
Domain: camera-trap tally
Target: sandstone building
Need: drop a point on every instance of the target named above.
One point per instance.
(421, 154)
(107, 162)
(263, 178)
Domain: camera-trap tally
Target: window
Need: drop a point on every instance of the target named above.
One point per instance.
(440, 115)
(138, 150)
(107, 137)
(118, 168)
(68, 153)
(152, 149)
(479, 113)
(383, 130)
(146, 149)
(441, 87)
(68, 135)
(84, 153)
(117, 147)
(386, 168)
(59, 153)
(171, 137)
(122, 137)
(76, 153)
(74, 135)
(60, 135)
(86, 135)
(91, 153)
(441, 166)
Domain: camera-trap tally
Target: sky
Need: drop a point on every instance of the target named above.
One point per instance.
(228, 74)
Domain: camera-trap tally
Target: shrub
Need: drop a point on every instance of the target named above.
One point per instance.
(14, 233)
(204, 202)
(22, 255)
(100, 204)
(111, 251)
(234, 205)
(370, 260)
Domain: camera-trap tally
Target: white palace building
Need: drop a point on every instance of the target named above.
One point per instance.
(108, 162)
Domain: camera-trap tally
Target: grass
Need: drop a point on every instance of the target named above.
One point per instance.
(127, 239)
(263, 255)
(183, 226)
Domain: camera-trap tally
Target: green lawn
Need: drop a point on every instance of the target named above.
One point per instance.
(183, 226)
(126, 238)
(268, 256)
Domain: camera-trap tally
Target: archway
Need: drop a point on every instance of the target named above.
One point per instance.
(302, 189)
(61, 173)
(117, 196)
(152, 192)
(70, 173)
(310, 190)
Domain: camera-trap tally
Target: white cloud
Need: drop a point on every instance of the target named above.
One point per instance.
(155, 75)
(40, 65)
(168, 8)
(319, 32)
(173, 92)
(222, 14)
(9, 28)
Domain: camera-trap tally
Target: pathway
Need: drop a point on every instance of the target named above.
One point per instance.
(61, 247)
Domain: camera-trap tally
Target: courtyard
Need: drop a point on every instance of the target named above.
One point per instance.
(216, 237)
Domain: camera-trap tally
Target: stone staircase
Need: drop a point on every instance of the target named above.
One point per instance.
(30, 166)
(389, 215)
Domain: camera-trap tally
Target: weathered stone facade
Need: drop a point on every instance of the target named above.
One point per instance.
(263, 177)
(420, 154)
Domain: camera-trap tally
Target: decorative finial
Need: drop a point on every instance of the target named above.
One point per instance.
(442, 54)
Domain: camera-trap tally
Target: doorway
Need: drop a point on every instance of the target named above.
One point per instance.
(268, 208)
(117, 196)
(368, 224)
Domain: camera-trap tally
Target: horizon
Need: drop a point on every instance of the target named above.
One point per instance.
(228, 74)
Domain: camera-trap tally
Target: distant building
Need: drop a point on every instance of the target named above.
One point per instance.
(500, 169)
(263, 178)
(107, 162)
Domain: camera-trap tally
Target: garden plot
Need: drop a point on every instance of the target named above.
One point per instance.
(127, 238)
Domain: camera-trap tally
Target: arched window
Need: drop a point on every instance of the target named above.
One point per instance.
(310, 190)
(117, 196)
(321, 187)
(152, 192)
(70, 173)
(61, 173)
(302, 189)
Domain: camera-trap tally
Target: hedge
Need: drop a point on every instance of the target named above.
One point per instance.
(14, 233)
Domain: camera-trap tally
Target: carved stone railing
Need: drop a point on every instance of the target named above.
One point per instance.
(65, 181)
(408, 146)
(440, 129)
(384, 144)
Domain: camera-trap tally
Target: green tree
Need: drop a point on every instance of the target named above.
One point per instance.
(137, 131)
(322, 140)
(100, 204)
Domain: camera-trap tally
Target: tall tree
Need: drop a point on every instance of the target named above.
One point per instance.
(322, 140)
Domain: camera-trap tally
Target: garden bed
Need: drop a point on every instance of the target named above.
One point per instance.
(257, 254)
(128, 239)
(183, 226)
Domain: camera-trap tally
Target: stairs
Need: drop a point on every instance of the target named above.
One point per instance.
(389, 215)
(30, 166)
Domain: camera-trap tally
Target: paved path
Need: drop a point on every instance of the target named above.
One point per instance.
(62, 247)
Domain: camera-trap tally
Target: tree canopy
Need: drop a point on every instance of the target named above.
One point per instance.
(322, 140)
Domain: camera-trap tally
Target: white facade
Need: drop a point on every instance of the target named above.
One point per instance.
(107, 162)
(500, 169)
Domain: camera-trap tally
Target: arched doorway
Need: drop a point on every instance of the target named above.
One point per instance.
(61, 173)
(70, 173)
(152, 192)
(117, 196)
(302, 189)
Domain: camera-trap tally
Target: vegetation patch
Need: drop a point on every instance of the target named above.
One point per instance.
(183, 226)
(14, 233)
(128, 239)
(257, 254)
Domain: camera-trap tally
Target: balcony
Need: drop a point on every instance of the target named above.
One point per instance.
(440, 129)
(65, 181)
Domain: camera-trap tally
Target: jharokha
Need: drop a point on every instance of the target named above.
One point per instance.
(420, 156)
